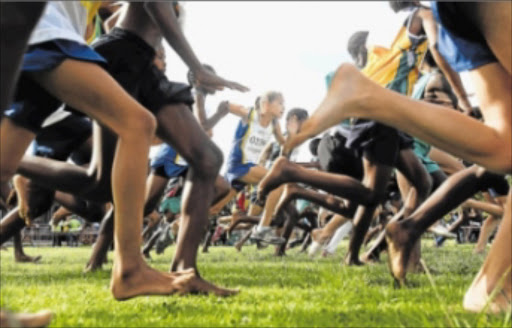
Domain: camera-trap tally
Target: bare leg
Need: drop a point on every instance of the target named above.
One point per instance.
(292, 217)
(19, 254)
(205, 160)
(495, 272)
(242, 241)
(90, 211)
(11, 151)
(155, 187)
(151, 242)
(490, 224)
(270, 206)
(402, 235)
(332, 203)
(323, 235)
(376, 177)
(284, 171)
(493, 209)
(99, 96)
(102, 244)
(10, 225)
(353, 95)
(92, 183)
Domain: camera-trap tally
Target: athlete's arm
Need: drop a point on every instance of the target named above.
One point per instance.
(453, 78)
(200, 112)
(265, 154)
(239, 111)
(163, 15)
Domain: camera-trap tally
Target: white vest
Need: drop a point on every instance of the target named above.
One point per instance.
(255, 139)
(61, 20)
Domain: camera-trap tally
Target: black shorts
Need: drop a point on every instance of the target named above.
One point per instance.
(334, 157)
(30, 112)
(130, 62)
(496, 182)
(377, 142)
(58, 141)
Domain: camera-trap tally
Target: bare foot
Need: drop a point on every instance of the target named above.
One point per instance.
(321, 236)
(351, 259)
(24, 258)
(198, 285)
(278, 174)
(349, 90)
(238, 246)
(477, 299)
(400, 247)
(370, 258)
(21, 184)
(147, 281)
(479, 250)
(39, 319)
(93, 265)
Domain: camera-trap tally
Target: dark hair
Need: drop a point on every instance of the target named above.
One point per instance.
(313, 146)
(190, 75)
(300, 113)
(399, 5)
(355, 42)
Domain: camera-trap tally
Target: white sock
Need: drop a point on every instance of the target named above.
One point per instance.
(341, 233)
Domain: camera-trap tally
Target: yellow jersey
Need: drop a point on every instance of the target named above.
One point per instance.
(396, 68)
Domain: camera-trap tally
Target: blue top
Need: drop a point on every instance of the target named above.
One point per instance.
(463, 53)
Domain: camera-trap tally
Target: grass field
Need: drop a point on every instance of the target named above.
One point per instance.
(275, 292)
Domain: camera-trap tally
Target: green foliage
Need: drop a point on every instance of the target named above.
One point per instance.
(275, 292)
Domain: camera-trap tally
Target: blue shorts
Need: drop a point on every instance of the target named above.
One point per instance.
(164, 163)
(169, 170)
(33, 104)
(459, 41)
(237, 171)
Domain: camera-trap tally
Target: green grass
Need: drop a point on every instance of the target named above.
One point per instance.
(278, 292)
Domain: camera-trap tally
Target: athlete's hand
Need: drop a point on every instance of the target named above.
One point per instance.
(223, 108)
(212, 82)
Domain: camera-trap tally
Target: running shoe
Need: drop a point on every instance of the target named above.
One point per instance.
(266, 235)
